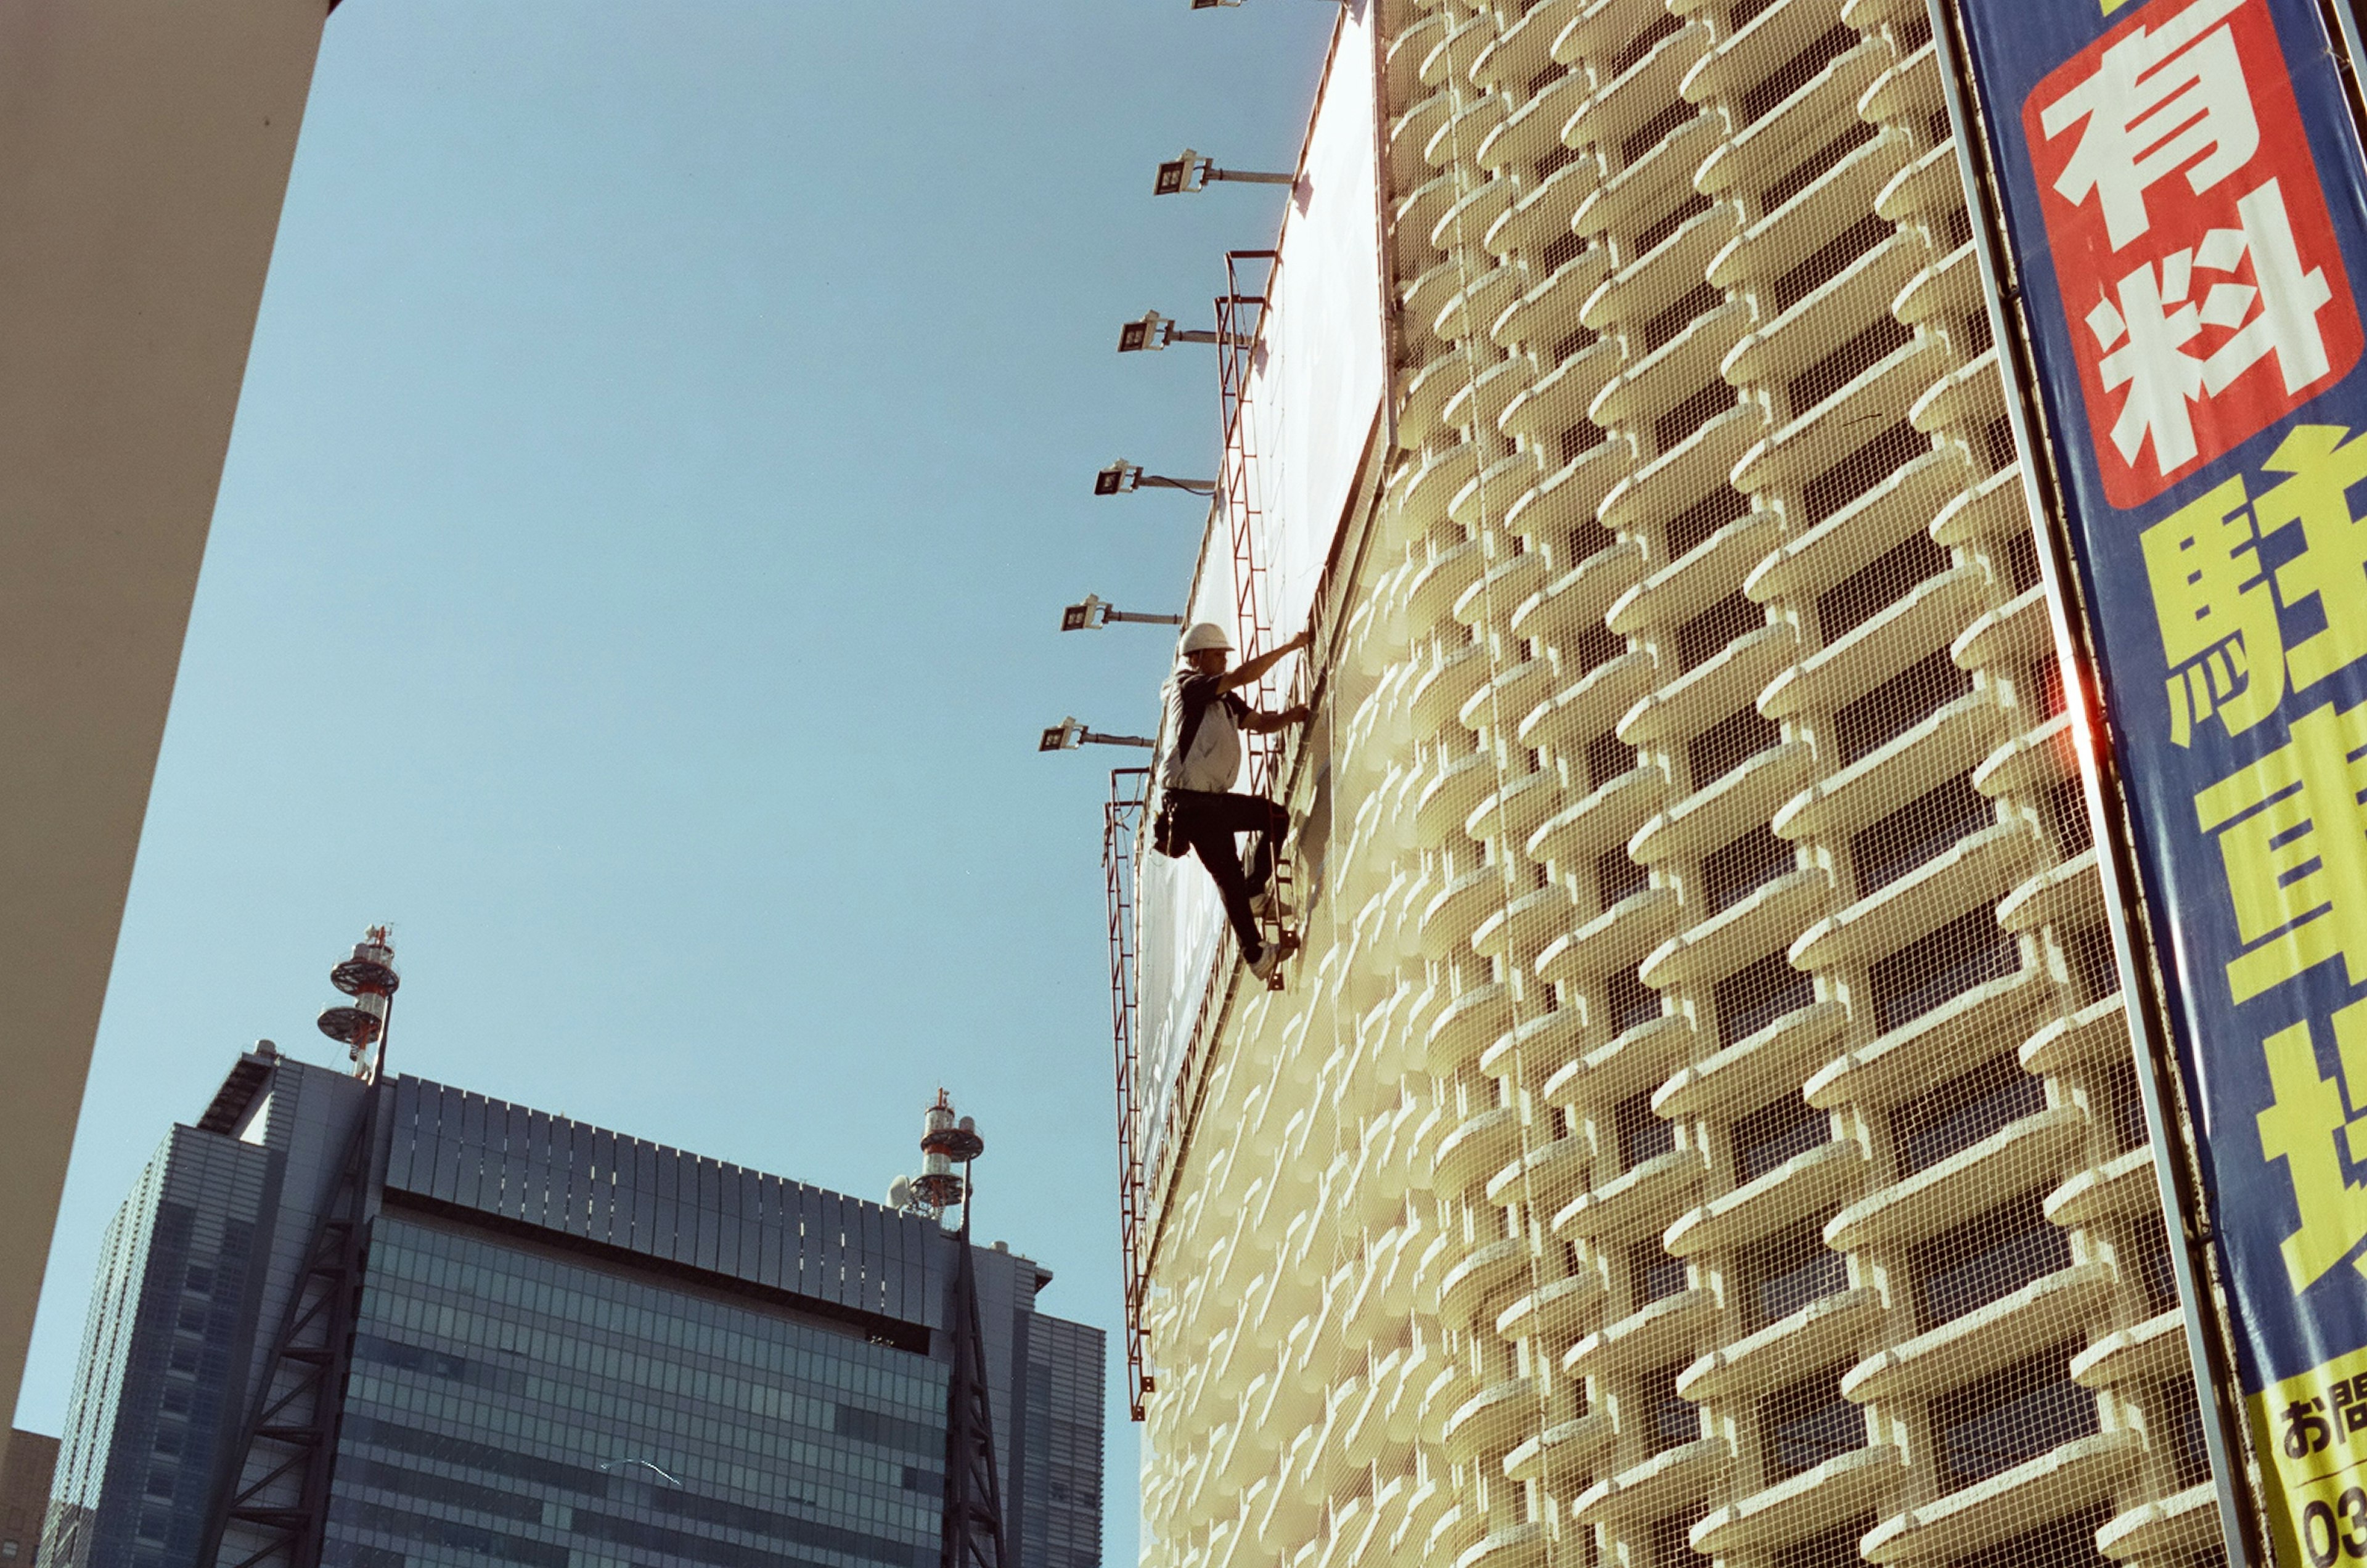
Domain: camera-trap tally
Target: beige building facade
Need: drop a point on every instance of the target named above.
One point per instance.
(144, 147)
(1702, 1124)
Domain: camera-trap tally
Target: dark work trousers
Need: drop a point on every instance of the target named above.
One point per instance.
(1208, 821)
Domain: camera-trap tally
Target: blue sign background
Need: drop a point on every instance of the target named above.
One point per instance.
(2015, 44)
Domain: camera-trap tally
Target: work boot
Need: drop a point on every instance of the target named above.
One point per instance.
(1265, 963)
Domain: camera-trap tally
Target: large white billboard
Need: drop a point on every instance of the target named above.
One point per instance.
(1310, 401)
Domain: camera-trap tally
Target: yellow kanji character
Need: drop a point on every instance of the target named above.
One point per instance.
(2217, 616)
(2302, 1128)
(2293, 839)
(2324, 461)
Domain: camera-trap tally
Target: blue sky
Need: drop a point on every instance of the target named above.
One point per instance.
(666, 448)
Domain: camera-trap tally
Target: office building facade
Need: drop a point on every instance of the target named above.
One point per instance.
(1702, 1124)
(571, 1348)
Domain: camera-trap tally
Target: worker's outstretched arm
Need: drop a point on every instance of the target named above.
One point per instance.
(1264, 723)
(1252, 668)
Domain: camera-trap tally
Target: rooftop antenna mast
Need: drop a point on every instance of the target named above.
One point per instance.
(973, 1523)
(369, 979)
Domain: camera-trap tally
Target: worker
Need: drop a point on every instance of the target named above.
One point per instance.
(1202, 721)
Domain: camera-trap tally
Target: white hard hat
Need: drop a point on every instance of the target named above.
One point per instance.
(1207, 635)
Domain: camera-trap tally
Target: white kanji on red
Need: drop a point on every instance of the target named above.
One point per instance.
(2161, 100)
(2146, 339)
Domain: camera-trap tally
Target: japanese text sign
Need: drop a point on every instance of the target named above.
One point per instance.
(2182, 184)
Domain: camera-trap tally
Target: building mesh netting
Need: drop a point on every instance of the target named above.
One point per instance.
(1702, 1123)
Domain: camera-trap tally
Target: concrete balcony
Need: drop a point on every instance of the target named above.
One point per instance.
(1659, 1485)
(1435, 700)
(2030, 763)
(1550, 1174)
(1807, 1186)
(2086, 1470)
(1889, 513)
(1605, 820)
(1472, 214)
(1473, 308)
(1632, 1061)
(1543, 215)
(1618, 938)
(1803, 450)
(1603, 29)
(1557, 400)
(1837, 310)
(1975, 870)
(1458, 48)
(1525, 48)
(1563, 1456)
(1927, 191)
(1406, 52)
(2029, 1152)
(1449, 790)
(2169, 1530)
(1713, 690)
(1909, 93)
(1992, 508)
(1475, 1289)
(1925, 622)
(1433, 590)
(1687, 473)
(1487, 499)
(1662, 1331)
(1903, 1062)
(2122, 1188)
(1670, 374)
(1427, 393)
(1575, 601)
(1635, 1204)
(1422, 503)
(1555, 1314)
(1525, 927)
(2097, 1032)
(1515, 1546)
(1705, 574)
(2070, 894)
(1827, 1329)
(1465, 1027)
(1771, 247)
(2010, 636)
(1968, 399)
(1533, 131)
(1535, 1050)
(1622, 105)
(1822, 108)
(1455, 911)
(1661, 276)
(1487, 1425)
(1732, 804)
(2044, 1313)
(1778, 32)
(2144, 1353)
(1481, 403)
(1541, 319)
(1628, 203)
(1947, 742)
(1741, 933)
(1466, 132)
(1509, 816)
(1475, 1150)
(1943, 292)
(1850, 1486)
(1748, 1074)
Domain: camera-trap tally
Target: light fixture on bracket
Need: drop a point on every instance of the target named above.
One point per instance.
(1093, 615)
(1122, 478)
(1068, 734)
(1156, 332)
(1190, 172)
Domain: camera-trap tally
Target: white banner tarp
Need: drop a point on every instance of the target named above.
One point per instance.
(1318, 375)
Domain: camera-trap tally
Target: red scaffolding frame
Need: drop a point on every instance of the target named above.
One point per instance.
(1121, 827)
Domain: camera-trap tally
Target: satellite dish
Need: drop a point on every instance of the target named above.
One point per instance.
(900, 1192)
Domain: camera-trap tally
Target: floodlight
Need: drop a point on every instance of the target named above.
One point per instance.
(1155, 330)
(1095, 613)
(1122, 478)
(1212, 4)
(1190, 172)
(1068, 735)
(1178, 175)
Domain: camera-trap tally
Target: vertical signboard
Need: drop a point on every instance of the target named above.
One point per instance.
(2183, 185)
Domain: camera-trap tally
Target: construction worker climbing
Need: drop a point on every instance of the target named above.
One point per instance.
(1198, 809)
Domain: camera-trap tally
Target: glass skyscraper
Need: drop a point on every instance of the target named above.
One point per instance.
(569, 1350)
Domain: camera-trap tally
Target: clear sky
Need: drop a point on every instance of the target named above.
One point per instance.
(666, 448)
